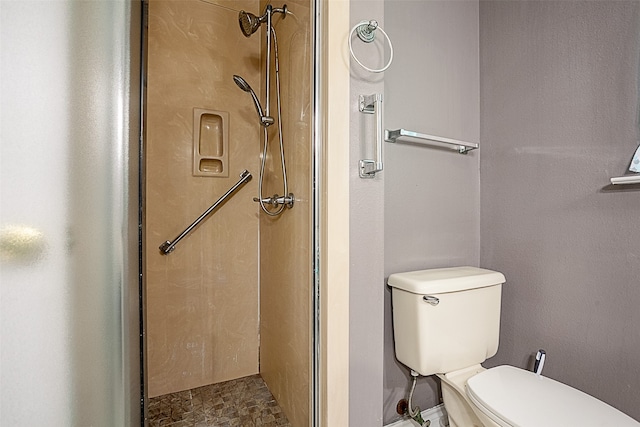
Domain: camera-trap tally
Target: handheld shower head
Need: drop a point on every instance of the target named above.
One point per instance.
(242, 84)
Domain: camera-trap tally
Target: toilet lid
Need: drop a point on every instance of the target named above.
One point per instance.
(514, 397)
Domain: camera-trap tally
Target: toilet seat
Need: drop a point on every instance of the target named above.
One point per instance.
(513, 397)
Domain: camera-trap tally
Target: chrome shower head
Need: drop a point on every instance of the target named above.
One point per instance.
(242, 84)
(249, 23)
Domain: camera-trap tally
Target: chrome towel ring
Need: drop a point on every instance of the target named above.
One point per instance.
(366, 33)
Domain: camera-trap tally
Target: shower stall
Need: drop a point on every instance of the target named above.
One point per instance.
(235, 298)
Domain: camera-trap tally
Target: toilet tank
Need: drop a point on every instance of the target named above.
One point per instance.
(445, 319)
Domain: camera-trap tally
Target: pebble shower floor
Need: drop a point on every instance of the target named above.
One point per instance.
(245, 402)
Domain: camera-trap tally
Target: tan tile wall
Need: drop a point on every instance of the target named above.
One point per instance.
(285, 259)
(202, 299)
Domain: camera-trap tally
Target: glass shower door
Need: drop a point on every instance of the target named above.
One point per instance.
(69, 344)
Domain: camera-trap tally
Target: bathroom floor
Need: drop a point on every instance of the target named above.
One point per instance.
(244, 402)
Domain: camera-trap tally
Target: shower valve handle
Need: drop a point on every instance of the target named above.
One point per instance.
(265, 200)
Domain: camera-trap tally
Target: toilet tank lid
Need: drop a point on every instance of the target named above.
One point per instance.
(443, 280)
(514, 397)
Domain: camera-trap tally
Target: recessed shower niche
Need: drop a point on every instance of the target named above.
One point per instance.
(210, 143)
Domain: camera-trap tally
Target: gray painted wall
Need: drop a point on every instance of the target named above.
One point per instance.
(366, 276)
(559, 116)
(431, 194)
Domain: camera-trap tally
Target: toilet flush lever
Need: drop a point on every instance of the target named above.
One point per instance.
(431, 300)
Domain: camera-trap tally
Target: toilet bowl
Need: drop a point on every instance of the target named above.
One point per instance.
(506, 396)
(446, 322)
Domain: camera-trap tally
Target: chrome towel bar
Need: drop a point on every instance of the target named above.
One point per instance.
(627, 179)
(461, 146)
(168, 246)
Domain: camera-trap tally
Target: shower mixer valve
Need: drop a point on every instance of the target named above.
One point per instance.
(276, 200)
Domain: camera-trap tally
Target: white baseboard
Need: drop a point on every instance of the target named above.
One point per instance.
(437, 415)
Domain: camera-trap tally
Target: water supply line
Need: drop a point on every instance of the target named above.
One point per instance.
(415, 414)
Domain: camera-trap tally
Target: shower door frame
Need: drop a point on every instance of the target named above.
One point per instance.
(330, 193)
(316, 188)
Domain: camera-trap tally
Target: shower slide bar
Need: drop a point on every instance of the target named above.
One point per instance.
(461, 146)
(168, 246)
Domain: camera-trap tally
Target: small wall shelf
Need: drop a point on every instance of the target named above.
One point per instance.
(210, 143)
(461, 146)
(626, 180)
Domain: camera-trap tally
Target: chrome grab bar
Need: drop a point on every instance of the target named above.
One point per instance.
(168, 246)
(372, 104)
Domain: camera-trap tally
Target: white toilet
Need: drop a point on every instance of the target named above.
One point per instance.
(446, 322)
